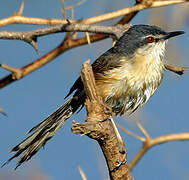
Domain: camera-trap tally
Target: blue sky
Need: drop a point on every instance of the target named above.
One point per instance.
(31, 99)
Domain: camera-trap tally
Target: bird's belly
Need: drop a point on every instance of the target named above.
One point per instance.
(126, 95)
(125, 99)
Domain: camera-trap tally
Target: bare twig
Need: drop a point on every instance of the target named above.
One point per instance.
(131, 133)
(149, 143)
(41, 21)
(71, 7)
(84, 177)
(143, 130)
(98, 126)
(76, 5)
(176, 69)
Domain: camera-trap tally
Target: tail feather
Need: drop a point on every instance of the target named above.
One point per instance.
(43, 132)
(53, 116)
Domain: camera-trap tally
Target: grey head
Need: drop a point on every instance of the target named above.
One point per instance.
(143, 37)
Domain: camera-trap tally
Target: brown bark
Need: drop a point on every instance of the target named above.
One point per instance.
(101, 127)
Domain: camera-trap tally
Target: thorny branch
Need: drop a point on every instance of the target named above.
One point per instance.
(65, 45)
(31, 36)
(18, 73)
(69, 42)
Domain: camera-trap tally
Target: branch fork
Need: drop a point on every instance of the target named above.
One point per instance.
(16, 73)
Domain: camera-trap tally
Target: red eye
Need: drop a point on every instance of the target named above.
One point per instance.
(150, 39)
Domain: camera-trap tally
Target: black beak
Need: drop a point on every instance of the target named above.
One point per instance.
(172, 34)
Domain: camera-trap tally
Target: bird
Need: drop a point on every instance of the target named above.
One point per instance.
(126, 76)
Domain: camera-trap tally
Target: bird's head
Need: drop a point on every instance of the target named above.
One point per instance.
(144, 39)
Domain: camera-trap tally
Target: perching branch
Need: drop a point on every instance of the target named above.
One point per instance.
(101, 127)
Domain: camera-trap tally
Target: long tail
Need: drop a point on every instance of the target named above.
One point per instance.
(43, 132)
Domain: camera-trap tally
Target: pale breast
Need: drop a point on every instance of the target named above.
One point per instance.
(130, 86)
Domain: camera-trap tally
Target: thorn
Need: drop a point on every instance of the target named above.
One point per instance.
(21, 10)
(113, 42)
(120, 140)
(16, 73)
(88, 38)
(34, 45)
(33, 42)
(143, 130)
(82, 173)
(68, 21)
